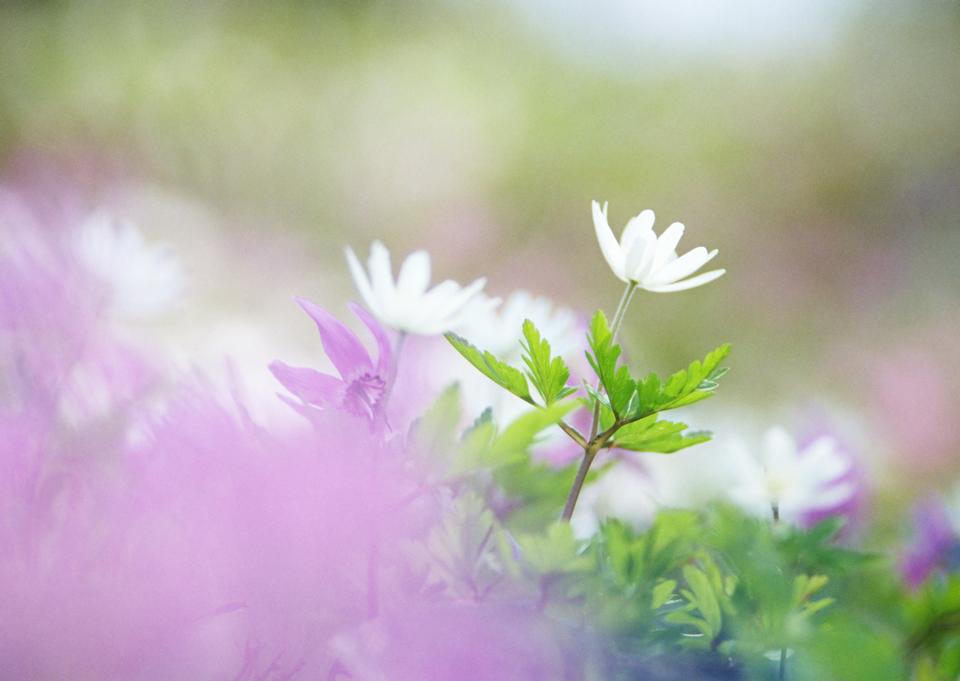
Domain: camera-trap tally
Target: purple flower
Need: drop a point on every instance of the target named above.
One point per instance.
(361, 387)
(933, 540)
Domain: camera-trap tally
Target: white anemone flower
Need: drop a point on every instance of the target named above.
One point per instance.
(499, 328)
(650, 261)
(405, 304)
(795, 482)
(145, 280)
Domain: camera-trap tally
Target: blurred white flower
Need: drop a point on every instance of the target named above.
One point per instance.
(406, 305)
(145, 279)
(781, 476)
(623, 492)
(498, 328)
(648, 260)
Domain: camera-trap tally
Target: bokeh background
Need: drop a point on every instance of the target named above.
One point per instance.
(816, 143)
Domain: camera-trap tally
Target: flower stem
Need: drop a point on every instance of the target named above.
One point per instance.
(588, 456)
(783, 650)
(622, 306)
(597, 440)
(618, 317)
(373, 552)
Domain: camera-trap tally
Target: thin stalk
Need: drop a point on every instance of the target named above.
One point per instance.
(588, 456)
(597, 440)
(618, 318)
(373, 553)
(781, 674)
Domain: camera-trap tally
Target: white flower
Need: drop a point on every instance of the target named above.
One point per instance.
(499, 328)
(144, 279)
(406, 305)
(794, 482)
(623, 492)
(648, 260)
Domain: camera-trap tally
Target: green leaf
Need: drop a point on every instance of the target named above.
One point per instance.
(662, 437)
(555, 551)
(502, 374)
(434, 432)
(662, 592)
(696, 382)
(548, 374)
(616, 381)
(523, 431)
(705, 599)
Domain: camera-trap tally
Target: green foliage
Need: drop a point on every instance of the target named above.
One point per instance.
(548, 374)
(501, 373)
(629, 399)
(650, 435)
(460, 552)
(554, 551)
(481, 447)
(616, 381)
(708, 598)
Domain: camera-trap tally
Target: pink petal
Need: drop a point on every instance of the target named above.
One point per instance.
(383, 342)
(309, 385)
(341, 345)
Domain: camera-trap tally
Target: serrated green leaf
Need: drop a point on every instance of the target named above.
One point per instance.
(616, 381)
(553, 551)
(501, 373)
(661, 437)
(696, 382)
(518, 437)
(662, 592)
(705, 599)
(548, 374)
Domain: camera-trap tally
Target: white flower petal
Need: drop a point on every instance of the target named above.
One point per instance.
(684, 266)
(362, 283)
(667, 246)
(381, 277)
(638, 226)
(608, 243)
(414, 275)
(692, 282)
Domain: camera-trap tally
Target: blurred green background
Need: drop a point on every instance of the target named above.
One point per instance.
(816, 144)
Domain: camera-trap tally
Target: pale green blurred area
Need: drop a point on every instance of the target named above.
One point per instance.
(826, 172)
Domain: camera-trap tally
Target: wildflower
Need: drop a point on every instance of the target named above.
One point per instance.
(497, 328)
(405, 304)
(788, 481)
(144, 279)
(650, 261)
(934, 543)
(361, 385)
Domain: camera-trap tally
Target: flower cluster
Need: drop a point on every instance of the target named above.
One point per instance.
(533, 512)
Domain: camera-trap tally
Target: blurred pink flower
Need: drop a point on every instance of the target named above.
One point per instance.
(932, 539)
(361, 386)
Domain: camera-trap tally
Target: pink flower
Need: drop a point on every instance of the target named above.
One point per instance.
(933, 539)
(361, 386)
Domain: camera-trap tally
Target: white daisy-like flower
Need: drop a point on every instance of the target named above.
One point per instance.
(145, 279)
(650, 261)
(498, 328)
(406, 304)
(781, 476)
(623, 492)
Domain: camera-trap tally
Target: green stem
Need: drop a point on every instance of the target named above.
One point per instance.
(596, 441)
(588, 456)
(614, 330)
